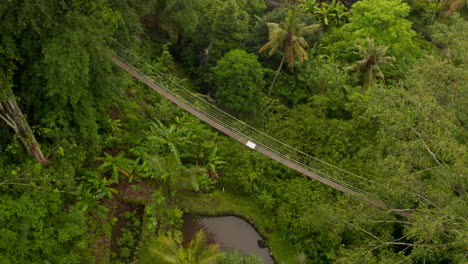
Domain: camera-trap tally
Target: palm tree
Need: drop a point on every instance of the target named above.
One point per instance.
(170, 250)
(368, 69)
(287, 37)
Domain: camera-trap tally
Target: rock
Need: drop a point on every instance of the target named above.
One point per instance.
(262, 243)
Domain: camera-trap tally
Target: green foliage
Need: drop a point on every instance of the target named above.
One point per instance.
(35, 228)
(128, 239)
(65, 78)
(235, 257)
(329, 13)
(420, 141)
(306, 127)
(253, 8)
(238, 77)
(225, 27)
(127, 31)
(170, 139)
(323, 76)
(114, 165)
(314, 231)
(179, 176)
(290, 90)
(167, 151)
(214, 163)
(287, 37)
(171, 250)
(183, 15)
(385, 22)
(426, 142)
(229, 28)
(373, 58)
(95, 187)
(446, 8)
(53, 56)
(445, 82)
(153, 212)
(259, 34)
(451, 36)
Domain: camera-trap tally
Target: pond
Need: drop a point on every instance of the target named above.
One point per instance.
(228, 232)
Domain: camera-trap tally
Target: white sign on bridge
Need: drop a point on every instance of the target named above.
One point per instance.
(251, 145)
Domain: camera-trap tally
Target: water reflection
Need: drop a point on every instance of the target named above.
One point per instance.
(229, 232)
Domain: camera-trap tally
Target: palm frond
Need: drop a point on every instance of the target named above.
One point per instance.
(300, 52)
(211, 254)
(276, 36)
(368, 68)
(311, 29)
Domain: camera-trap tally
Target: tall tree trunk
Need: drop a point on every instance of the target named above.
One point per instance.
(276, 76)
(12, 115)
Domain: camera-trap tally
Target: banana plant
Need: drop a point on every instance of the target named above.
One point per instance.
(98, 186)
(214, 162)
(116, 165)
(178, 176)
(170, 138)
(308, 5)
(328, 13)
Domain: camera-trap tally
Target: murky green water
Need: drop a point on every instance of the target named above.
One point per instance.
(229, 232)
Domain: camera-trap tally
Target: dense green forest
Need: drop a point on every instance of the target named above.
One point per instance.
(95, 167)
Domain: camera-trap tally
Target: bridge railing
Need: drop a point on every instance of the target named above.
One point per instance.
(254, 136)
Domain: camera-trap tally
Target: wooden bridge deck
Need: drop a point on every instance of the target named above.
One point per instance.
(295, 166)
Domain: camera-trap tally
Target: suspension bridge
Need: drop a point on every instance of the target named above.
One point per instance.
(253, 138)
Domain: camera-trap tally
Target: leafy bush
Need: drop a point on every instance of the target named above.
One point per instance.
(235, 257)
(238, 77)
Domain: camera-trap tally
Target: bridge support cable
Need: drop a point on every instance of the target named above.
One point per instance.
(308, 165)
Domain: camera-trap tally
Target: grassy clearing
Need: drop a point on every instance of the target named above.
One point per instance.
(224, 203)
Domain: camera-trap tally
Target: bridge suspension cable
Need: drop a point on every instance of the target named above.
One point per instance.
(313, 167)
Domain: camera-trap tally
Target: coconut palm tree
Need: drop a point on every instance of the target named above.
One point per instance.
(287, 37)
(170, 250)
(368, 69)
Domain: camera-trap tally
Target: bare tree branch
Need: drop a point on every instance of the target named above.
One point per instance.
(427, 169)
(12, 115)
(385, 243)
(389, 221)
(405, 257)
(426, 146)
